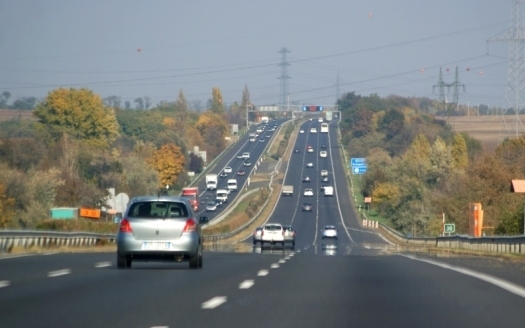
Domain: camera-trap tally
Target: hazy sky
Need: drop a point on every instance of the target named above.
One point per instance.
(157, 48)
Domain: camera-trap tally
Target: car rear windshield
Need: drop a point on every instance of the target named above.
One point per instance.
(272, 227)
(158, 209)
(288, 228)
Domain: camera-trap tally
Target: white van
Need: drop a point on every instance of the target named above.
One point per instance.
(328, 191)
(232, 184)
(222, 195)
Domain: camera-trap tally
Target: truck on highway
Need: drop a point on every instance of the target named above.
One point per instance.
(211, 181)
(264, 119)
(287, 191)
(192, 194)
(232, 184)
(222, 195)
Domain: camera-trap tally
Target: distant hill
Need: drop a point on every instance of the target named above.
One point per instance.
(8, 114)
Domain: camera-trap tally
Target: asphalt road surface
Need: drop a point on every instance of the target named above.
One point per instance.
(360, 281)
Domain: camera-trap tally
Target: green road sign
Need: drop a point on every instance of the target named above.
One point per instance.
(450, 228)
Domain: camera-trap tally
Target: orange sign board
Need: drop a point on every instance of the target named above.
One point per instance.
(368, 199)
(89, 213)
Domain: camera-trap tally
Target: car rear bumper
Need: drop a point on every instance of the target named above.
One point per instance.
(185, 247)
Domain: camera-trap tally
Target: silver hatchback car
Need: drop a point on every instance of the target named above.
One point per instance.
(159, 229)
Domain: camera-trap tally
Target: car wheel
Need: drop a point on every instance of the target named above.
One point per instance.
(196, 261)
(123, 262)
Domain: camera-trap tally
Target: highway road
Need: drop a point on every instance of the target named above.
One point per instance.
(364, 282)
(256, 150)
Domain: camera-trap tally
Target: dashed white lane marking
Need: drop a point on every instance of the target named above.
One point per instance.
(367, 247)
(282, 261)
(102, 264)
(262, 273)
(246, 284)
(214, 302)
(57, 273)
(287, 258)
(4, 283)
(274, 266)
(508, 286)
(160, 327)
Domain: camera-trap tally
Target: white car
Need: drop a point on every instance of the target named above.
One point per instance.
(313, 130)
(324, 173)
(245, 155)
(320, 120)
(211, 207)
(310, 165)
(227, 169)
(252, 139)
(323, 154)
(330, 232)
(272, 233)
(310, 149)
(308, 192)
(301, 131)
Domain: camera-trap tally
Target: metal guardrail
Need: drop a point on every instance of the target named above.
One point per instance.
(51, 239)
(503, 244)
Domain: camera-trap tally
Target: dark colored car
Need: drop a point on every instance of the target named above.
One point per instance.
(223, 174)
(323, 146)
(297, 151)
(240, 172)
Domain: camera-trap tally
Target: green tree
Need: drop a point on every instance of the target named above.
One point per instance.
(4, 98)
(24, 103)
(78, 113)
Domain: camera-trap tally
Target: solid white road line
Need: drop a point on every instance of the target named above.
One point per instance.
(4, 283)
(102, 264)
(274, 266)
(214, 302)
(506, 285)
(57, 273)
(263, 273)
(246, 284)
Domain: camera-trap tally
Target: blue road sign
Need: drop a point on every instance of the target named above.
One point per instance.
(358, 162)
(359, 170)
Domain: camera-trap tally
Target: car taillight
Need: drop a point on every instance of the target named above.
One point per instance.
(190, 226)
(125, 226)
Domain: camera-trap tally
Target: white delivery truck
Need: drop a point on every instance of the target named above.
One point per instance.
(222, 195)
(328, 191)
(264, 119)
(287, 191)
(232, 184)
(211, 181)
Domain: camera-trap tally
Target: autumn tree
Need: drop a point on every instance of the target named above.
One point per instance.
(213, 128)
(78, 113)
(459, 152)
(216, 105)
(169, 162)
(6, 207)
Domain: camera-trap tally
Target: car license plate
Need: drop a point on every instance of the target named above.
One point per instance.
(156, 245)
